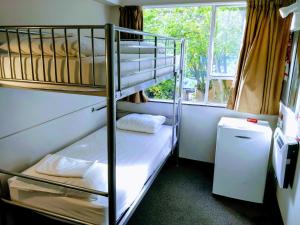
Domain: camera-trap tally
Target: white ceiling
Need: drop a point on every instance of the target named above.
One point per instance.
(165, 2)
(174, 2)
(109, 2)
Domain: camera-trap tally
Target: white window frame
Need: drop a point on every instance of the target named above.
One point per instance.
(210, 75)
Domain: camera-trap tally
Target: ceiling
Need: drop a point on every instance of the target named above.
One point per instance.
(165, 2)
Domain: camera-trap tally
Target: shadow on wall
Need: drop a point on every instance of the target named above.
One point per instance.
(289, 199)
(199, 126)
(48, 122)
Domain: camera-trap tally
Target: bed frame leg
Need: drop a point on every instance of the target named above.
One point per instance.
(6, 216)
(2, 214)
(176, 155)
(181, 74)
(111, 121)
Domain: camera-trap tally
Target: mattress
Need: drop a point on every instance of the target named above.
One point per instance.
(128, 68)
(139, 153)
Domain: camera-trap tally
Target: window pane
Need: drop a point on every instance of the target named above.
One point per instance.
(192, 23)
(227, 39)
(219, 91)
(164, 90)
(193, 90)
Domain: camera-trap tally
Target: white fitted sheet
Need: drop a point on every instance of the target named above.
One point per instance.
(127, 68)
(140, 152)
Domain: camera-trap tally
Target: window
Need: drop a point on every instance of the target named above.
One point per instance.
(213, 39)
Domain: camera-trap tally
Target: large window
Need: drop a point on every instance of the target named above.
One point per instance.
(213, 39)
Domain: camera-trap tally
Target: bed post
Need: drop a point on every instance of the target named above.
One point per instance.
(174, 120)
(179, 109)
(111, 120)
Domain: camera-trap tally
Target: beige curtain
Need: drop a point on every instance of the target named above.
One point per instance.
(261, 65)
(132, 17)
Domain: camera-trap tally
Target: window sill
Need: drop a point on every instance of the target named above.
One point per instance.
(216, 105)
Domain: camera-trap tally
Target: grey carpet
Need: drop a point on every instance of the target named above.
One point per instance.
(179, 196)
(182, 196)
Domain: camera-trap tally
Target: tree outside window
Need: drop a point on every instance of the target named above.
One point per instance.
(213, 37)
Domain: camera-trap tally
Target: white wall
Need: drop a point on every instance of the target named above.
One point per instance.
(21, 149)
(109, 2)
(23, 109)
(41, 122)
(289, 199)
(199, 126)
(54, 12)
(199, 130)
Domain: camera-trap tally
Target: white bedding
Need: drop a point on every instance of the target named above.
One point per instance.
(127, 68)
(61, 166)
(138, 155)
(73, 47)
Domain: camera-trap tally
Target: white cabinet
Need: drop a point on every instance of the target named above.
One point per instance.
(241, 160)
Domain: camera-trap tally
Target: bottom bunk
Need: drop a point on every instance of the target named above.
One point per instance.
(139, 156)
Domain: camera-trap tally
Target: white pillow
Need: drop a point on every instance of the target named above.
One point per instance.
(141, 123)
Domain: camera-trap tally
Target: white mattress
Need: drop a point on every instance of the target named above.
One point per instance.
(127, 68)
(138, 152)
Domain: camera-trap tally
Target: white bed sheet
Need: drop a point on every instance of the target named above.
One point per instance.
(127, 68)
(139, 151)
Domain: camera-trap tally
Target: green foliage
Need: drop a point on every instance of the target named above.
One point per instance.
(193, 24)
(162, 91)
(227, 38)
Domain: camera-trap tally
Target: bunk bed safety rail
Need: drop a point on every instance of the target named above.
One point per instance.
(56, 183)
(162, 49)
(72, 57)
(41, 41)
(149, 55)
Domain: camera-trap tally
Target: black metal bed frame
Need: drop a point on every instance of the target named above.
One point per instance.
(112, 93)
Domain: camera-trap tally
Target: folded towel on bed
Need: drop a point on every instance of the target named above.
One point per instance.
(61, 166)
(127, 178)
(95, 179)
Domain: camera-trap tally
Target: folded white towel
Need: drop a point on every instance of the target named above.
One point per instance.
(129, 179)
(95, 179)
(61, 166)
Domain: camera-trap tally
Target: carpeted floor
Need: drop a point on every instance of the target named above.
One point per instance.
(179, 196)
(182, 196)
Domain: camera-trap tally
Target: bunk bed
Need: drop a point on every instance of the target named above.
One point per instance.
(93, 60)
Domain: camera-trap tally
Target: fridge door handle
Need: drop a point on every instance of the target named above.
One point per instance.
(242, 137)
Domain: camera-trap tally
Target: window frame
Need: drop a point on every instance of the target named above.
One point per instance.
(210, 74)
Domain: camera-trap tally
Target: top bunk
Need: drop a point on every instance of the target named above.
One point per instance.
(87, 59)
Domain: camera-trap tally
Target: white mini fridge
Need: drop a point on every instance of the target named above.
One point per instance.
(241, 160)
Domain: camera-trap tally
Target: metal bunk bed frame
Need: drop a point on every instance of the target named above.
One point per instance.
(112, 93)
